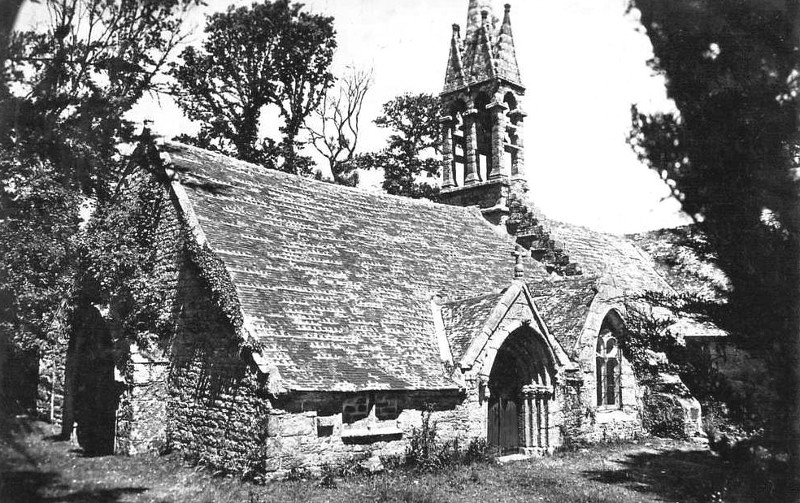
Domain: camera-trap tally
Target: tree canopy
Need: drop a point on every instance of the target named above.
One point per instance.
(409, 158)
(267, 54)
(65, 91)
(730, 156)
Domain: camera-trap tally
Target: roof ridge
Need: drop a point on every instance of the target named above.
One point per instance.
(327, 185)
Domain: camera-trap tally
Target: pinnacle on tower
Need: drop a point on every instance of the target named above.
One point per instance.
(486, 51)
(482, 117)
(506, 56)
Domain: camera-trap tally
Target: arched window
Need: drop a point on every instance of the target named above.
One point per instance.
(608, 368)
(458, 147)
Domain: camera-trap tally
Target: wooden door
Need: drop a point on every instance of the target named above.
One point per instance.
(503, 424)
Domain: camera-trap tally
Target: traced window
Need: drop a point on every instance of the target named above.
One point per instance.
(608, 371)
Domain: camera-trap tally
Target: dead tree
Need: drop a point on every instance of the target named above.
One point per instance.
(336, 128)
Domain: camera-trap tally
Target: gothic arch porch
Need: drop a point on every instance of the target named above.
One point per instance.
(520, 394)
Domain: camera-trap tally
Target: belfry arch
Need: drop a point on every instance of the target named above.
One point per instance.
(520, 391)
(481, 114)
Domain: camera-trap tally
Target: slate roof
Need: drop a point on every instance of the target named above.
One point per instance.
(463, 320)
(564, 306)
(337, 282)
(608, 256)
(682, 257)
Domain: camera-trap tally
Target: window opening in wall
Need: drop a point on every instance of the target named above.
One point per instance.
(386, 407)
(369, 416)
(608, 371)
(355, 409)
(459, 146)
(483, 167)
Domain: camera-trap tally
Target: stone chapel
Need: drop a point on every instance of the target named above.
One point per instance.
(310, 322)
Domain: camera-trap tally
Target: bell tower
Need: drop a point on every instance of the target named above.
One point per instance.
(481, 115)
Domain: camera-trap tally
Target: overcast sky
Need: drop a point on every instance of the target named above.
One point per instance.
(583, 63)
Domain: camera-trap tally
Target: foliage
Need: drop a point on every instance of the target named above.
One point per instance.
(662, 471)
(647, 342)
(336, 136)
(268, 54)
(37, 243)
(730, 156)
(478, 451)
(412, 118)
(117, 261)
(65, 90)
(427, 453)
(663, 416)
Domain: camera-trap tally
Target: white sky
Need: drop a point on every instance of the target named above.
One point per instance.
(583, 63)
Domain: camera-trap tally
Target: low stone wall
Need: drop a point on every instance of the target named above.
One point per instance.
(322, 434)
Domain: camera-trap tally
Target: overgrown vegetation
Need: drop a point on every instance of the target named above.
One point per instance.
(730, 156)
(33, 468)
(66, 87)
(734, 419)
(427, 453)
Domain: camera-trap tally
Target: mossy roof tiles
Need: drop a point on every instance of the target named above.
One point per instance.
(336, 283)
(463, 320)
(564, 306)
(609, 257)
(682, 255)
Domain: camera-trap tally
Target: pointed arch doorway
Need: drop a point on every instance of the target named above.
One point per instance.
(520, 391)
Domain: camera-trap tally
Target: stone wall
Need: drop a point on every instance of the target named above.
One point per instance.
(311, 430)
(485, 194)
(142, 413)
(216, 410)
(588, 421)
(141, 417)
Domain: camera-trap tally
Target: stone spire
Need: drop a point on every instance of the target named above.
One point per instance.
(455, 77)
(506, 56)
(481, 64)
(474, 18)
(485, 52)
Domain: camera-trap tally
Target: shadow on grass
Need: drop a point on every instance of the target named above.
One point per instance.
(33, 486)
(22, 482)
(674, 475)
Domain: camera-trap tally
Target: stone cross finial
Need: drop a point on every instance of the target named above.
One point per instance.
(519, 269)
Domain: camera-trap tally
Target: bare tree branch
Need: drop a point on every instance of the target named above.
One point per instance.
(336, 129)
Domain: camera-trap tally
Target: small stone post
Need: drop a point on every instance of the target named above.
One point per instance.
(498, 111)
(518, 164)
(471, 150)
(447, 152)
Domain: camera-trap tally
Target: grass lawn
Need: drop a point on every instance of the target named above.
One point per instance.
(35, 468)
